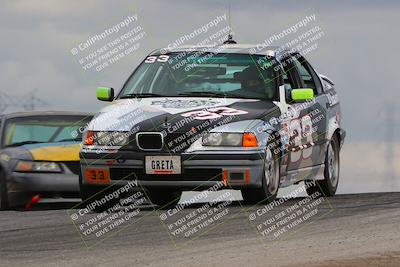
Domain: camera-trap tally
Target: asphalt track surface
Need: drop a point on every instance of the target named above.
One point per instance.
(355, 230)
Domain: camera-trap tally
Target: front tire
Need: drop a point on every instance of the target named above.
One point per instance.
(270, 182)
(4, 201)
(90, 194)
(328, 186)
(164, 198)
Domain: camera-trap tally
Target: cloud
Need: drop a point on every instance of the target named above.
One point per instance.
(358, 53)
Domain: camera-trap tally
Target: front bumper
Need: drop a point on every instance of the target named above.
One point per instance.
(43, 182)
(237, 169)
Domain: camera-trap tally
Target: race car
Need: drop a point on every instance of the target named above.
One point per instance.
(39, 155)
(234, 116)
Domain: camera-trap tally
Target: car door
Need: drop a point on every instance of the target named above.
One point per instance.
(307, 124)
(313, 117)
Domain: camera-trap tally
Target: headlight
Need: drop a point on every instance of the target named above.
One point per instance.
(106, 138)
(119, 138)
(233, 139)
(102, 138)
(37, 166)
(222, 139)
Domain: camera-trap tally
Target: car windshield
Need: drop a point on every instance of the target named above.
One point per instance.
(203, 74)
(43, 129)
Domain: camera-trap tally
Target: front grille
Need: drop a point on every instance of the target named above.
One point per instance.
(73, 166)
(150, 141)
(187, 175)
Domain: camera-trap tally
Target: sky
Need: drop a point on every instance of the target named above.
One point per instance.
(359, 50)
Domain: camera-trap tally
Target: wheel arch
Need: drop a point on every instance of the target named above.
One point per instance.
(3, 169)
(340, 134)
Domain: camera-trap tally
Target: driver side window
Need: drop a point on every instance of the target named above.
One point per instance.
(290, 78)
(307, 74)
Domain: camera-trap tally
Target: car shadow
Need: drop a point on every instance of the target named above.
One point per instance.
(65, 204)
(53, 204)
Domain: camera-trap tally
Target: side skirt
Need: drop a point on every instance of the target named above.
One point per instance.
(308, 173)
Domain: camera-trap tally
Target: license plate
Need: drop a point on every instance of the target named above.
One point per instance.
(163, 164)
(97, 176)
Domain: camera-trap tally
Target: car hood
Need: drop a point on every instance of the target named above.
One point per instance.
(158, 114)
(57, 151)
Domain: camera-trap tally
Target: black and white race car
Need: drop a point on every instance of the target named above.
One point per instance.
(193, 117)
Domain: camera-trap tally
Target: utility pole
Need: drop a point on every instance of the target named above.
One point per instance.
(7, 100)
(31, 101)
(390, 126)
(28, 102)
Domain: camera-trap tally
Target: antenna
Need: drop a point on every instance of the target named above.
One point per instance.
(229, 18)
(230, 35)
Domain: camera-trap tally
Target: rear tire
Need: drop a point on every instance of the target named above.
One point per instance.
(270, 182)
(328, 186)
(164, 198)
(4, 202)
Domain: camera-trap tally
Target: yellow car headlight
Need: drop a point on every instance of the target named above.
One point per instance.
(37, 166)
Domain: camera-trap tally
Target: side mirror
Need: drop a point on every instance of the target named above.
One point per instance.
(105, 94)
(302, 94)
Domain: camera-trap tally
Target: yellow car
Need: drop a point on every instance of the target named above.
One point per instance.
(40, 155)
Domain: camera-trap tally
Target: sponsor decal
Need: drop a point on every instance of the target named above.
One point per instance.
(333, 99)
(185, 103)
(214, 113)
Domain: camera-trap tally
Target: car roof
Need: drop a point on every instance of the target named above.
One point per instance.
(224, 49)
(44, 113)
